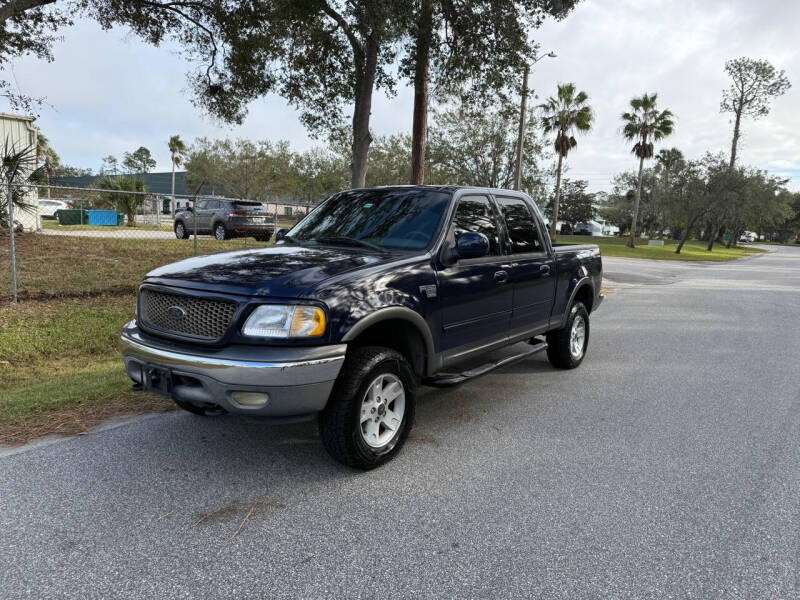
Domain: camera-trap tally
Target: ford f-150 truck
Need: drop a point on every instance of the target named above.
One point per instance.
(373, 293)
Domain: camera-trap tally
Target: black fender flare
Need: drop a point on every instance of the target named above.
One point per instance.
(580, 284)
(398, 313)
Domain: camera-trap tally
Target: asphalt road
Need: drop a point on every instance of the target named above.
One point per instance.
(666, 466)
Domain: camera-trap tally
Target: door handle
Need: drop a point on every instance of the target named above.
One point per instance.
(500, 276)
(545, 270)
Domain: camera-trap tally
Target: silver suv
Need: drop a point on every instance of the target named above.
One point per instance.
(225, 219)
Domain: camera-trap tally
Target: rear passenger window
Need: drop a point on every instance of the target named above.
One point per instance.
(521, 226)
(474, 213)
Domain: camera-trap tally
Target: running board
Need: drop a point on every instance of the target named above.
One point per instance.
(448, 379)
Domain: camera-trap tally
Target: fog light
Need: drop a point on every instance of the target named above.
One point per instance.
(250, 399)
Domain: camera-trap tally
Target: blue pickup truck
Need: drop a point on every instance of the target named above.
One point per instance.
(373, 293)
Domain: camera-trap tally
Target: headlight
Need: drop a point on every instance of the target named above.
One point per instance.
(285, 321)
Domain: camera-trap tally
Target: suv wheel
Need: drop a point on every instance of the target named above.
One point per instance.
(566, 347)
(180, 231)
(220, 232)
(371, 410)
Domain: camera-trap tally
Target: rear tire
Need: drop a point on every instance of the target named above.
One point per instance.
(566, 347)
(264, 237)
(371, 409)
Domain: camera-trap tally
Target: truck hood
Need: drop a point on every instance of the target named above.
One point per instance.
(284, 271)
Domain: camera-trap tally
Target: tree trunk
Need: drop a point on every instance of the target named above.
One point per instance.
(556, 200)
(173, 187)
(684, 237)
(712, 237)
(632, 241)
(362, 138)
(735, 141)
(521, 132)
(420, 120)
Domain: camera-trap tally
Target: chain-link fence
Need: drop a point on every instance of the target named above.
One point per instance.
(87, 241)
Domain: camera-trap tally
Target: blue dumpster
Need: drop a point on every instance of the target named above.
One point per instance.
(103, 217)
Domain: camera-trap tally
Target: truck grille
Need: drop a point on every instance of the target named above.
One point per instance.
(185, 315)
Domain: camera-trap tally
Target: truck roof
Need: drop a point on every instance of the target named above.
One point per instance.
(444, 188)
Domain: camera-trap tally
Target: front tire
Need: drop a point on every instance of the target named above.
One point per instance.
(220, 232)
(371, 409)
(180, 231)
(566, 347)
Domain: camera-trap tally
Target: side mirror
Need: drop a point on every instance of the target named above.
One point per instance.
(280, 234)
(472, 245)
(189, 209)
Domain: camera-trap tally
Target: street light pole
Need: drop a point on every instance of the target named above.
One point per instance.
(522, 111)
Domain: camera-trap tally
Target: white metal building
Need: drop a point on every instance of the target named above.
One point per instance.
(17, 132)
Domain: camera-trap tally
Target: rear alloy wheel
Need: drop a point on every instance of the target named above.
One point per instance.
(371, 410)
(220, 232)
(566, 347)
(180, 231)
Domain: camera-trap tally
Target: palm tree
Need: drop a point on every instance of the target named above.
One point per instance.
(47, 156)
(644, 125)
(564, 114)
(177, 149)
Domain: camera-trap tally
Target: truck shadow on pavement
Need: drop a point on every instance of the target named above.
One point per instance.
(220, 476)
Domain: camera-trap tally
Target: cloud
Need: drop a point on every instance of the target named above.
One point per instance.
(113, 93)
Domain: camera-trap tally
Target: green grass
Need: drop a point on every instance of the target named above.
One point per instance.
(55, 266)
(52, 224)
(59, 357)
(693, 250)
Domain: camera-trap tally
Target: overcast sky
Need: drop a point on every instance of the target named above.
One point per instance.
(111, 93)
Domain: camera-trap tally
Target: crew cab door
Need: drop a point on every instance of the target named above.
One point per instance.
(475, 294)
(533, 277)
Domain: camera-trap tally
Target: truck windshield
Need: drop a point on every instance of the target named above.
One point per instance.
(392, 218)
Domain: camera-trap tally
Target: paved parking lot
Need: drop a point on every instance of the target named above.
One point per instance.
(667, 465)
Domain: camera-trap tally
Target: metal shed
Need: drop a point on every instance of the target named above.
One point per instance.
(18, 132)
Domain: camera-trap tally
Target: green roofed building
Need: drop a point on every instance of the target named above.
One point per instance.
(155, 183)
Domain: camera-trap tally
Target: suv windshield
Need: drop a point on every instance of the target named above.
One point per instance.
(392, 218)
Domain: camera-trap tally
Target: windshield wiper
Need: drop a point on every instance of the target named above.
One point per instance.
(348, 241)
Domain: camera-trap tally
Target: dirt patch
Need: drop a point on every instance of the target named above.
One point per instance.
(81, 419)
(236, 508)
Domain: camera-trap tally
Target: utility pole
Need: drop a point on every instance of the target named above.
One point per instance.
(522, 111)
(521, 133)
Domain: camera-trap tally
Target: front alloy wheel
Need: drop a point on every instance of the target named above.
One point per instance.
(382, 410)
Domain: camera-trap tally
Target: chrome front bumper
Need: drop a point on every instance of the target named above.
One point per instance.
(298, 380)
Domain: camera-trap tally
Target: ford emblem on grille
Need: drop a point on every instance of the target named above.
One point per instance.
(176, 312)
